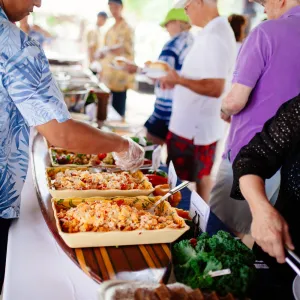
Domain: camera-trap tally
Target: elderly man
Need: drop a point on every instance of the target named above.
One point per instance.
(195, 125)
(29, 97)
(267, 75)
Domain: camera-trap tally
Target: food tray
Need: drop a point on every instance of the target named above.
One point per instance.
(118, 238)
(54, 164)
(62, 194)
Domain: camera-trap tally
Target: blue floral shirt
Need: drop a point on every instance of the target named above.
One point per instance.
(29, 96)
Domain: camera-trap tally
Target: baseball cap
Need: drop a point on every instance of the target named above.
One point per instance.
(175, 14)
(120, 2)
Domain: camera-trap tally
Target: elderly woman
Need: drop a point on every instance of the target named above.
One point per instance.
(276, 147)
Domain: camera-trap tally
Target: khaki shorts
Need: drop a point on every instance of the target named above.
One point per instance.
(235, 214)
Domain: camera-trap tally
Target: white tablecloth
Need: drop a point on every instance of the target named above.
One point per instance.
(37, 268)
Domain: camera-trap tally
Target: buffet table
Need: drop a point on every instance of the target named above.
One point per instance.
(37, 267)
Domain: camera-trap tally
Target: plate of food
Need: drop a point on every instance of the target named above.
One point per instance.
(296, 288)
(80, 117)
(106, 160)
(129, 290)
(118, 125)
(119, 63)
(156, 70)
(118, 221)
(83, 182)
(61, 157)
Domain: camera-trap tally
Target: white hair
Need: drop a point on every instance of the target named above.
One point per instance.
(212, 2)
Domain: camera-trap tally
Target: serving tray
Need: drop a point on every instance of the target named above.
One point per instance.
(99, 263)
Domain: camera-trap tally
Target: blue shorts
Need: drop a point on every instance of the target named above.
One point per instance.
(157, 127)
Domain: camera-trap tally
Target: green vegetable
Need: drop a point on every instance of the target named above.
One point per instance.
(159, 173)
(183, 252)
(135, 139)
(193, 262)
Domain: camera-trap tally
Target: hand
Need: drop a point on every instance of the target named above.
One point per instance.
(117, 52)
(225, 117)
(131, 159)
(271, 232)
(130, 68)
(99, 55)
(170, 80)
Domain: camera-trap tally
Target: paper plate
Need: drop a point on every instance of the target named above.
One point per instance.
(155, 74)
(296, 288)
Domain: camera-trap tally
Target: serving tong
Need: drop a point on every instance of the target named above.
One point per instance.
(94, 170)
(170, 193)
(291, 263)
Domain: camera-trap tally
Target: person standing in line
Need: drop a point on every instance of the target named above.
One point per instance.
(267, 75)
(273, 229)
(94, 38)
(30, 97)
(195, 125)
(239, 25)
(119, 36)
(173, 53)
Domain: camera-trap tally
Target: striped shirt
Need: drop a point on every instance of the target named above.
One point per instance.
(173, 53)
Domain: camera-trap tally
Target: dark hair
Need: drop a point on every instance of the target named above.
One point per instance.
(102, 14)
(237, 22)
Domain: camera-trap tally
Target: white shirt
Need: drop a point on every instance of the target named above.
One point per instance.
(212, 56)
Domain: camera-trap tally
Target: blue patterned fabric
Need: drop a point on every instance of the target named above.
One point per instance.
(29, 96)
(39, 37)
(173, 53)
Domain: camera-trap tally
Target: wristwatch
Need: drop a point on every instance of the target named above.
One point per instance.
(224, 112)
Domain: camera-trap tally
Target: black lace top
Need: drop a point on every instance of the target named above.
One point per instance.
(277, 146)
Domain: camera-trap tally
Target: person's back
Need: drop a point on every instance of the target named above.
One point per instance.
(279, 81)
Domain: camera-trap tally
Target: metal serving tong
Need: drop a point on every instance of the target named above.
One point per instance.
(113, 169)
(291, 263)
(165, 197)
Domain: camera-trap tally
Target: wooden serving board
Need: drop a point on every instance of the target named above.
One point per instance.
(106, 262)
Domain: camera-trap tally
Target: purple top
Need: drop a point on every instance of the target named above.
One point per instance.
(269, 62)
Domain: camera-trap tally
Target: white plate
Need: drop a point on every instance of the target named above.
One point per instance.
(296, 288)
(112, 65)
(155, 74)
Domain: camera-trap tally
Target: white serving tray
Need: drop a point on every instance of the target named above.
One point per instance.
(63, 194)
(116, 238)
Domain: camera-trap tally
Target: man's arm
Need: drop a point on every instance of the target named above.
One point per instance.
(206, 87)
(251, 64)
(81, 138)
(236, 100)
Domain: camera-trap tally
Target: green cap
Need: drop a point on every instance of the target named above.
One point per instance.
(175, 14)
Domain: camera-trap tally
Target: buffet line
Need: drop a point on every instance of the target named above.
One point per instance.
(94, 209)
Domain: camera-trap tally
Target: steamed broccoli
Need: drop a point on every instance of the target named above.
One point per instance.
(193, 262)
